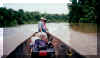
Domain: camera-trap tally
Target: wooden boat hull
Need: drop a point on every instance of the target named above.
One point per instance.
(61, 49)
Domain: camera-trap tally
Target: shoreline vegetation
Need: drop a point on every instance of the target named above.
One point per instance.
(79, 12)
(83, 11)
(10, 17)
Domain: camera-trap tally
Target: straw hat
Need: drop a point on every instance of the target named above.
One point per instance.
(42, 18)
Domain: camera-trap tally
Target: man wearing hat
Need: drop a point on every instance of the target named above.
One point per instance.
(42, 25)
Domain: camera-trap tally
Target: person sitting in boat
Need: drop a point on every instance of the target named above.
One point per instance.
(38, 42)
(42, 25)
(32, 40)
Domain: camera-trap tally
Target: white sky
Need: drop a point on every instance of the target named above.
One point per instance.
(52, 8)
(35, 1)
(43, 6)
(1, 3)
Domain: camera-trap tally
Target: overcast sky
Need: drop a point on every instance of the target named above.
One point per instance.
(43, 6)
(35, 1)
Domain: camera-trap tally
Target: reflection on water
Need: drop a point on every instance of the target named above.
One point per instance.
(84, 38)
(84, 27)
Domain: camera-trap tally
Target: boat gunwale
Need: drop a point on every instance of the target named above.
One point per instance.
(27, 41)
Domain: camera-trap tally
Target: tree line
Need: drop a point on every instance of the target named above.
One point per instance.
(82, 11)
(11, 17)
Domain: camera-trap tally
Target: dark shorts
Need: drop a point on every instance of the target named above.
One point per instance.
(43, 30)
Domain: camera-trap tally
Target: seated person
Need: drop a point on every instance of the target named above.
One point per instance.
(32, 40)
(43, 36)
(38, 41)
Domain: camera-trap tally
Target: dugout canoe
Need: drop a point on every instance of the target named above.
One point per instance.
(62, 50)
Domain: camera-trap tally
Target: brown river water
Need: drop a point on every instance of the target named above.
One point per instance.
(82, 37)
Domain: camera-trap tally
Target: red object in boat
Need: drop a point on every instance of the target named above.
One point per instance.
(42, 53)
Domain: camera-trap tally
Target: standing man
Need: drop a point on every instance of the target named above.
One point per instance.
(42, 25)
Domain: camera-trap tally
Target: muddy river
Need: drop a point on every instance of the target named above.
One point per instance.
(78, 37)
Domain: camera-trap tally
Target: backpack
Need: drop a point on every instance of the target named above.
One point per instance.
(40, 45)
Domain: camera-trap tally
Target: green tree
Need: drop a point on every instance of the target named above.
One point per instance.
(82, 11)
(10, 17)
